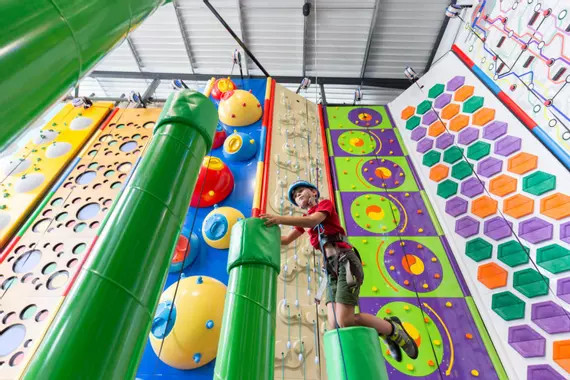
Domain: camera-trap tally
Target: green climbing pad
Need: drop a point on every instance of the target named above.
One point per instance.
(512, 253)
(436, 90)
(431, 158)
(412, 122)
(554, 258)
(452, 154)
(539, 183)
(461, 170)
(423, 107)
(447, 188)
(478, 249)
(530, 283)
(508, 306)
(473, 104)
(478, 150)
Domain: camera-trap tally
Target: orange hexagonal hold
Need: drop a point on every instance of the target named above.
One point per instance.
(484, 206)
(518, 206)
(561, 354)
(408, 112)
(522, 163)
(483, 116)
(503, 185)
(458, 122)
(556, 206)
(436, 128)
(449, 111)
(492, 275)
(438, 172)
(463, 93)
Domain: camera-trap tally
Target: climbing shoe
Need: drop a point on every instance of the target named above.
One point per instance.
(401, 337)
(395, 351)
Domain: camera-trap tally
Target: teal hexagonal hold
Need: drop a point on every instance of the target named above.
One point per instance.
(554, 258)
(436, 90)
(461, 170)
(473, 104)
(447, 188)
(452, 154)
(431, 158)
(508, 306)
(423, 107)
(413, 122)
(478, 150)
(539, 183)
(512, 253)
(530, 283)
(478, 249)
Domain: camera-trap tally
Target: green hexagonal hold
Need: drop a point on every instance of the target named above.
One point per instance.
(512, 253)
(539, 183)
(436, 90)
(508, 306)
(473, 104)
(478, 249)
(452, 154)
(423, 107)
(461, 170)
(447, 188)
(413, 122)
(478, 150)
(554, 258)
(431, 158)
(530, 283)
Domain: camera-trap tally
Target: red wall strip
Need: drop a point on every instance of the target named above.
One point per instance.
(523, 117)
(108, 119)
(462, 55)
(267, 161)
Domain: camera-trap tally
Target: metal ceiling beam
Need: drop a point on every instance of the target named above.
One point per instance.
(438, 39)
(242, 34)
(375, 82)
(182, 27)
(135, 53)
(149, 92)
(370, 34)
(323, 96)
(305, 28)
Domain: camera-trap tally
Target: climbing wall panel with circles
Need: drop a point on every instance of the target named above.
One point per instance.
(503, 201)
(28, 173)
(409, 270)
(42, 262)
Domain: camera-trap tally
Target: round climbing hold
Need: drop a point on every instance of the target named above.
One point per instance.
(475, 373)
(239, 147)
(197, 356)
(209, 324)
(232, 112)
(448, 304)
(425, 286)
(392, 267)
(364, 241)
(437, 275)
(388, 311)
(420, 212)
(407, 195)
(436, 342)
(219, 183)
(406, 307)
(420, 246)
(426, 319)
(410, 367)
(420, 230)
(218, 224)
(406, 282)
(374, 289)
(433, 259)
(430, 363)
(468, 336)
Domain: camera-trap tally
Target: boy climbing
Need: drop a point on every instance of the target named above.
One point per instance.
(343, 266)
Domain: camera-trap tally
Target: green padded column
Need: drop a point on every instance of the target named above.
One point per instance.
(247, 339)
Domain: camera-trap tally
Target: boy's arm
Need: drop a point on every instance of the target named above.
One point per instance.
(309, 221)
(291, 237)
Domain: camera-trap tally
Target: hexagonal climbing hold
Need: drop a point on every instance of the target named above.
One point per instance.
(507, 145)
(502, 185)
(436, 90)
(408, 112)
(535, 230)
(478, 150)
(478, 249)
(528, 343)
(447, 188)
(424, 145)
(455, 82)
(438, 172)
(484, 206)
(550, 317)
(522, 163)
(412, 122)
(554, 258)
(497, 228)
(492, 275)
(512, 253)
(452, 154)
(468, 135)
(507, 306)
(473, 104)
(466, 227)
(483, 116)
(472, 187)
(561, 354)
(518, 206)
(444, 141)
(495, 130)
(449, 111)
(489, 167)
(436, 129)
(456, 206)
(461, 170)
(431, 158)
(418, 133)
(442, 101)
(539, 183)
(463, 93)
(565, 233)
(530, 283)
(458, 122)
(423, 107)
(556, 206)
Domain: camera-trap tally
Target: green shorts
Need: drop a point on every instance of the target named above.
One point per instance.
(341, 292)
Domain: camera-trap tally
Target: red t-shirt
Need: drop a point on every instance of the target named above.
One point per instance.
(331, 224)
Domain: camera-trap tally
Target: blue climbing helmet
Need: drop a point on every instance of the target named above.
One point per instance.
(300, 183)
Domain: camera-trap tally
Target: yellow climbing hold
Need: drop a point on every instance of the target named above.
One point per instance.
(384, 228)
(367, 196)
(211, 193)
(364, 241)
(475, 373)
(390, 152)
(354, 187)
(402, 243)
(425, 286)
(407, 194)
(436, 342)
(374, 289)
(344, 172)
(365, 170)
(410, 367)
(420, 246)
(367, 225)
(392, 267)
(420, 230)
(406, 307)
(448, 304)
(433, 259)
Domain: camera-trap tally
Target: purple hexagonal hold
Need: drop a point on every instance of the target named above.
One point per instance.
(562, 288)
(565, 232)
(472, 187)
(418, 133)
(527, 342)
(466, 226)
(444, 140)
(494, 130)
(424, 145)
(468, 135)
(497, 228)
(542, 372)
(442, 100)
(429, 118)
(535, 230)
(507, 145)
(550, 317)
(456, 206)
(489, 167)
(455, 83)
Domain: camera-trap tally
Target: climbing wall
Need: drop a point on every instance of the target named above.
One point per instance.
(522, 49)
(409, 269)
(30, 171)
(296, 153)
(502, 199)
(41, 263)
